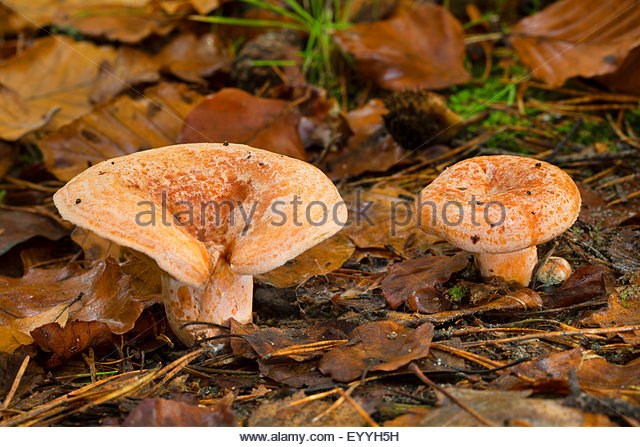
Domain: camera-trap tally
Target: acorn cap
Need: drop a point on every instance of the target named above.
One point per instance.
(199, 184)
(520, 202)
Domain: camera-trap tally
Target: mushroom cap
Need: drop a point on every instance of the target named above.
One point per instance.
(186, 206)
(519, 202)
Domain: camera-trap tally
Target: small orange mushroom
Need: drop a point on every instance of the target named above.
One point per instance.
(499, 208)
(211, 216)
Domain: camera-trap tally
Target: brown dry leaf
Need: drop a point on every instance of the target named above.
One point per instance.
(381, 218)
(623, 309)
(416, 277)
(321, 259)
(65, 343)
(192, 59)
(506, 408)
(280, 413)
(577, 38)
(420, 48)
(584, 284)
(268, 340)
(33, 13)
(294, 374)
(131, 67)
(16, 118)
(56, 72)
(596, 212)
(624, 80)
(120, 127)
(8, 156)
(201, 6)
(550, 374)
(235, 116)
(106, 294)
(174, 413)
(377, 346)
(11, 339)
(369, 149)
(19, 226)
(117, 22)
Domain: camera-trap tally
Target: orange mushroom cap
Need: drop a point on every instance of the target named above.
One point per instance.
(258, 236)
(499, 204)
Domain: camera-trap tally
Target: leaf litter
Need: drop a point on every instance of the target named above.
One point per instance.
(379, 325)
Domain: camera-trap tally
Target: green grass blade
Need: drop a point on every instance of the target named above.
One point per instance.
(247, 22)
(279, 10)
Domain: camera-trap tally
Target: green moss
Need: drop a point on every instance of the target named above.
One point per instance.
(457, 293)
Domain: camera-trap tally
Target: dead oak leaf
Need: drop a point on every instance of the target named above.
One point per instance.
(192, 58)
(584, 284)
(623, 309)
(120, 127)
(377, 346)
(20, 226)
(55, 73)
(321, 259)
(420, 48)
(577, 38)
(414, 281)
(236, 116)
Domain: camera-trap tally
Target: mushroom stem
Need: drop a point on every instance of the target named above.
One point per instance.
(516, 268)
(225, 295)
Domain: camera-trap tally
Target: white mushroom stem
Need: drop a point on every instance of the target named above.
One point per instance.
(516, 267)
(225, 295)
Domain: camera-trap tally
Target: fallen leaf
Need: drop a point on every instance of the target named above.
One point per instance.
(18, 119)
(369, 149)
(382, 218)
(66, 343)
(201, 6)
(235, 116)
(522, 300)
(120, 127)
(294, 374)
(19, 226)
(193, 59)
(268, 340)
(506, 408)
(596, 212)
(8, 156)
(106, 294)
(420, 48)
(377, 346)
(174, 413)
(623, 80)
(623, 309)
(577, 38)
(550, 374)
(117, 22)
(56, 72)
(11, 339)
(321, 259)
(409, 279)
(130, 67)
(584, 284)
(280, 413)
(622, 248)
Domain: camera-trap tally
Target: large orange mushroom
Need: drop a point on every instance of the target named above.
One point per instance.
(499, 208)
(211, 216)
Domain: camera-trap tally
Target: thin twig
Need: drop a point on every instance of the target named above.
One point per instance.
(16, 383)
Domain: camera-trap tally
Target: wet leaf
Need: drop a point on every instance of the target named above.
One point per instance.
(65, 343)
(623, 79)
(577, 38)
(419, 48)
(378, 346)
(596, 212)
(321, 259)
(280, 413)
(120, 127)
(506, 408)
(294, 374)
(235, 116)
(416, 279)
(174, 413)
(56, 72)
(584, 284)
(11, 339)
(19, 226)
(369, 149)
(106, 294)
